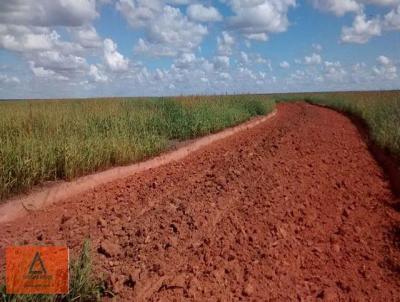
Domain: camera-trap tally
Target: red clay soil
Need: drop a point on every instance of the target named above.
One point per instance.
(295, 209)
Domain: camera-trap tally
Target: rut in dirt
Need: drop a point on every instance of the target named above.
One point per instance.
(295, 209)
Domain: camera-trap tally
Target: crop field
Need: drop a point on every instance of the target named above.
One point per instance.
(50, 140)
(62, 139)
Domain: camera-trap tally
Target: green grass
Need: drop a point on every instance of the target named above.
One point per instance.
(62, 139)
(83, 287)
(50, 140)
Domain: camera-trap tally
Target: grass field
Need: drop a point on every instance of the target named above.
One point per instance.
(62, 139)
(50, 140)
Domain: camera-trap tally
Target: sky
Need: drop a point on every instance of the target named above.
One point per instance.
(94, 48)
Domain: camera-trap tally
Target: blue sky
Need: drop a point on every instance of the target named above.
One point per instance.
(85, 48)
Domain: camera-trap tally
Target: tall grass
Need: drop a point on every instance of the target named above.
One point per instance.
(49, 140)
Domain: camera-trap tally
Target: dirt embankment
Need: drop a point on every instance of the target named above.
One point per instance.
(295, 209)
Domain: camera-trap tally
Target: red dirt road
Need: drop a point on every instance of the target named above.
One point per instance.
(295, 209)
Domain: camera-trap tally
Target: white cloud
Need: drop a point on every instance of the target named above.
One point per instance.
(221, 62)
(384, 60)
(361, 30)
(47, 72)
(6, 79)
(224, 75)
(186, 60)
(386, 68)
(170, 34)
(332, 64)
(97, 74)
(201, 13)
(284, 65)
(341, 7)
(244, 57)
(30, 40)
(317, 47)
(381, 2)
(55, 63)
(87, 36)
(257, 18)
(179, 2)
(139, 12)
(392, 19)
(338, 7)
(48, 12)
(40, 71)
(313, 59)
(334, 71)
(114, 60)
(22, 38)
(225, 43)
(261, 60)
(253, 59)
(56, 60)
(257, 37)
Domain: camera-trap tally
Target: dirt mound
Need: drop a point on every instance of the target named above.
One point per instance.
(295, 209)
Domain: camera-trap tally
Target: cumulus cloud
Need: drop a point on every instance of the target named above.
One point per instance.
(56, 60)
(338, 7)
(170, 34)
(55, 63)
(87, 36)
(40, 71)
(253, 59)
(334, 71)
(114, 60)
(244, 57)
(62, 49)
(97, 75)
(22, 38)
(317, 47)
(341, 7)
(257, 37)
(48, 12)
(284, 65)
(186, 60)
(361, 30)
(221, 62)
(201, 13)
(381, 2)
(385, 69)
(257, 18)
(6, 79)
(225, 43)
(392, 19)
(139, 12)
(313, 59)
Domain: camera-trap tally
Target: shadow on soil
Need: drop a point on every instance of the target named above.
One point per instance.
(391, 167)
(389, 162)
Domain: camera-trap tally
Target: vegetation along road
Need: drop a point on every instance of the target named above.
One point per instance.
(294, 209)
